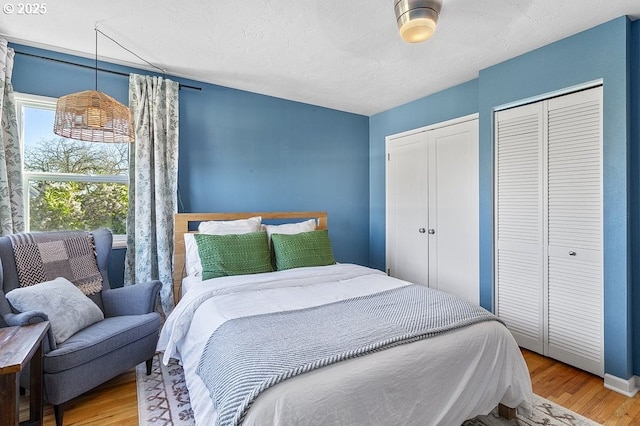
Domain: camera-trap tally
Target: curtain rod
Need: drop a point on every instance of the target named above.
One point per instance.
(186, 86)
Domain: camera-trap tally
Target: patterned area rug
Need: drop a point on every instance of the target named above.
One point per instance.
(163, 400)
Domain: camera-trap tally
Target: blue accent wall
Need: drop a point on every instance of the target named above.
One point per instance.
(245, 152)
(242, 151)
(605, 52)
(635, 188)
(116, 267)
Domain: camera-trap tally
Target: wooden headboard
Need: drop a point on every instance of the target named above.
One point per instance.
(182, 223)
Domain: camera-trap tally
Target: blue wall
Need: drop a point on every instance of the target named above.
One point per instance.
(245, 152)
(241, 151)
(603, 53)
(635, 188)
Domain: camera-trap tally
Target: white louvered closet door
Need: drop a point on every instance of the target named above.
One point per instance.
(519, 230)
(575, 283)
(549, 284)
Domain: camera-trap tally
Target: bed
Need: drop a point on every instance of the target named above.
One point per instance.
(441, 379)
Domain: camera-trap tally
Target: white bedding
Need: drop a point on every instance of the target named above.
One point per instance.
(188, 282)
(442, 380)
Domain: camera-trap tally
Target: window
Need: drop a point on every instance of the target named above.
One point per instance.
(69, 184)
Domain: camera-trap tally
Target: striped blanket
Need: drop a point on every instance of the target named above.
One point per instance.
(44, 256)
(245, 356)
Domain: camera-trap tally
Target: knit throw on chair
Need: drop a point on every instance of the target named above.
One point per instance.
(43, 257)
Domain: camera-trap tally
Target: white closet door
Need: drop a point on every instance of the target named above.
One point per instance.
(519, 223)
(453, 216)
(432, 207)
(407, 250)
(575, 290)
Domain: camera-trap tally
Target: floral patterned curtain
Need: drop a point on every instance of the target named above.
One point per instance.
(153, 183)
(11, 201)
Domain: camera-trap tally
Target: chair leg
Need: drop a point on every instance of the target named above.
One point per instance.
(58, 411)
(149, 364)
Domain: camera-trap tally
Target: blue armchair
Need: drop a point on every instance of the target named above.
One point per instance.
(127, 336)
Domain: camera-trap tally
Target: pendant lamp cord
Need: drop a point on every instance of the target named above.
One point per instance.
(164, 73)
(96, 58)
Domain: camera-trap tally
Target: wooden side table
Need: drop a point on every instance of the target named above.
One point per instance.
(18, 345)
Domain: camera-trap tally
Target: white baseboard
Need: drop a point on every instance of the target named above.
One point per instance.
(627, 387)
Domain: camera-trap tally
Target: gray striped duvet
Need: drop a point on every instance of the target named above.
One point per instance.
(245, 356)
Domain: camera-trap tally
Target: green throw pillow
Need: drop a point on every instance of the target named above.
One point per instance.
(233, 254)
(303, 249)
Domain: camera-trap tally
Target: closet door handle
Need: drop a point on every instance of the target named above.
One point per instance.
(572, 253)
(422, 230)
(432, 231)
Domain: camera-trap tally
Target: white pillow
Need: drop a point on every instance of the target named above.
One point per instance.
(215, 227)
(68, 309)
(290, 228)
(192, 263)
(224, 227)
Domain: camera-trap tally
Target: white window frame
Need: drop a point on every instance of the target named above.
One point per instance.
(45, 102)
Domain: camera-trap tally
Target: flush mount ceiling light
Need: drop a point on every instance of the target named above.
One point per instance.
(93, 116)
(417, 19)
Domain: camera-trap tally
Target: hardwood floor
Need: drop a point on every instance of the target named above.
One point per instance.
(115, 402)
(581, 392)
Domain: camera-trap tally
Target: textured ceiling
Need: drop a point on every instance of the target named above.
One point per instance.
(345, 55)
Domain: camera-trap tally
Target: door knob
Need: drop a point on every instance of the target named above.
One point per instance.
(572, 253)
(432, 231)
(422, 230)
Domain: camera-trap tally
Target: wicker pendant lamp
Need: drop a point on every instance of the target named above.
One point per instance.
(93, 116)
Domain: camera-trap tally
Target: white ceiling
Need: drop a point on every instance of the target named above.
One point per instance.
(342, 54)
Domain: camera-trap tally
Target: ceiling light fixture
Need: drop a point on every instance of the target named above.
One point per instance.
(93, 116)
(417, 19)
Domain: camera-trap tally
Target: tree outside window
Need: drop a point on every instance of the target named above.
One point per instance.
(69, 184)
